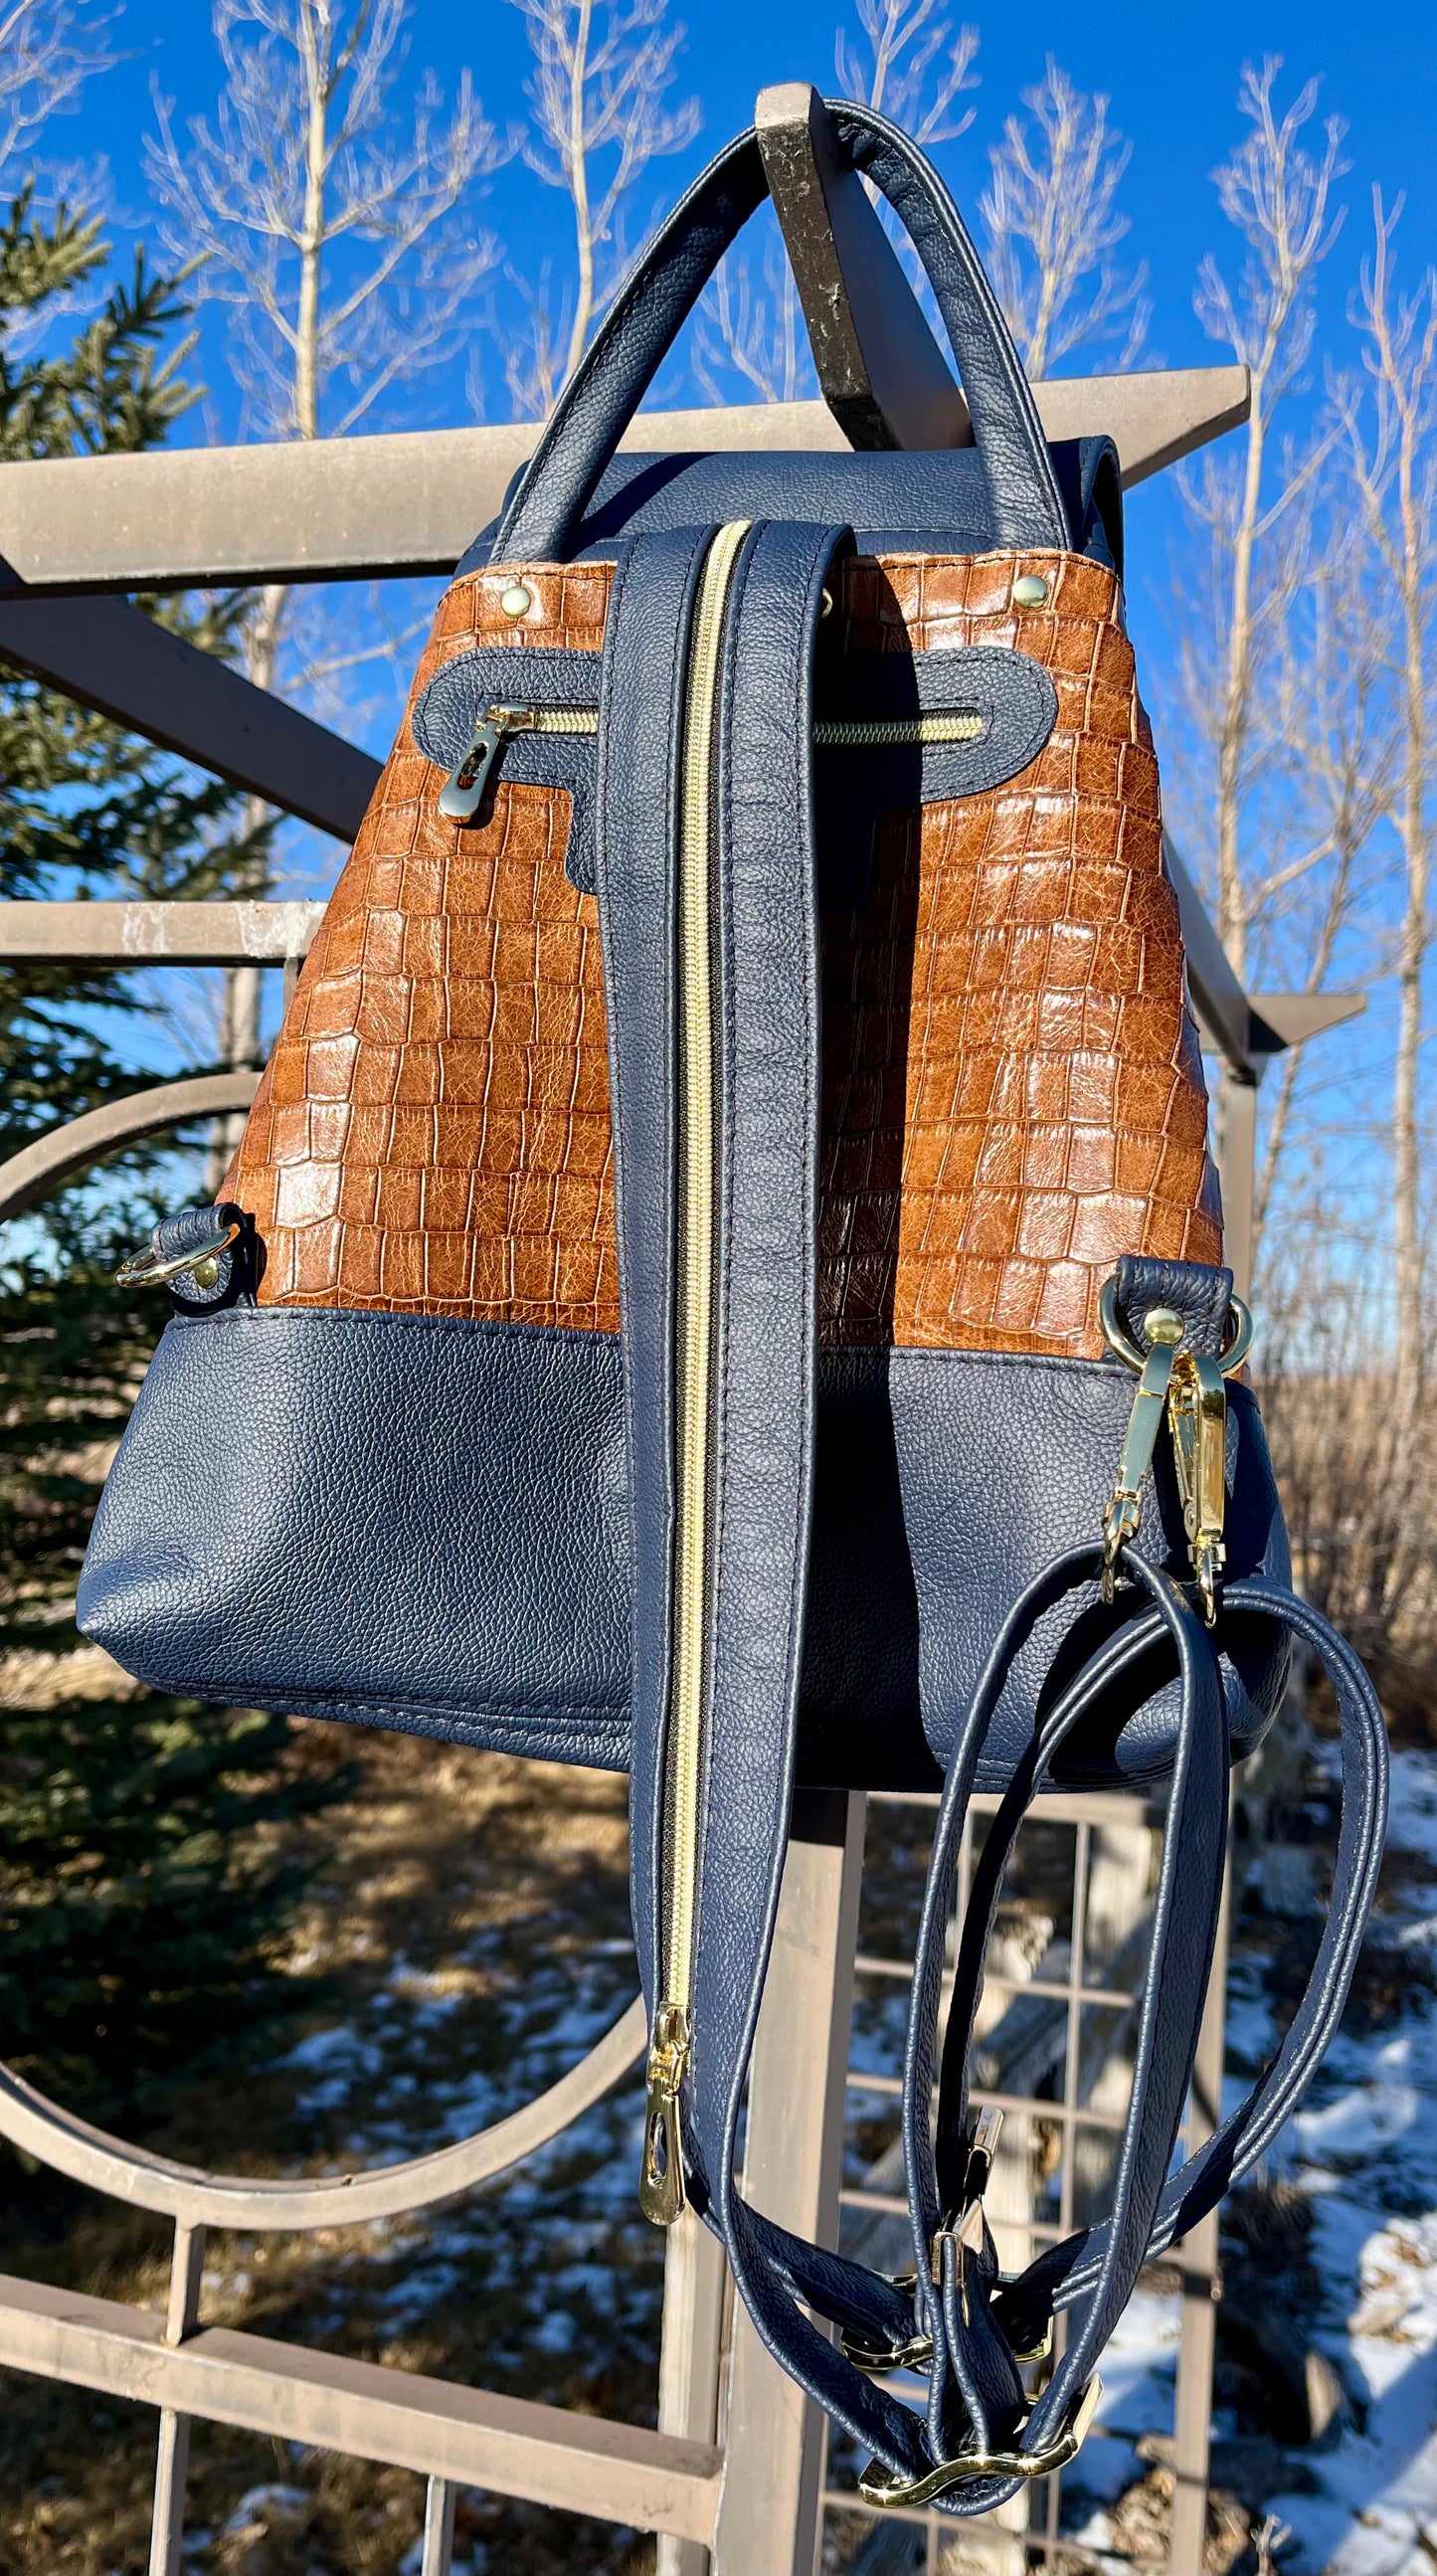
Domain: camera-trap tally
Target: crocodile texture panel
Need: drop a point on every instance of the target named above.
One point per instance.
(1012, 1089)
(431, 1133)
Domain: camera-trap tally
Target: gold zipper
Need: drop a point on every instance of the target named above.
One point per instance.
(878, 733)
(661, 2179)
(463, 790)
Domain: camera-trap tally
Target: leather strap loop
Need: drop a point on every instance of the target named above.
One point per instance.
(885, 2311)
(1066, 2272)
(542, 520)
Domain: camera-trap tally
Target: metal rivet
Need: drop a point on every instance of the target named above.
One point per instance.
(826, 606)
(1030, 590)
(518, 599)
(206, 1273)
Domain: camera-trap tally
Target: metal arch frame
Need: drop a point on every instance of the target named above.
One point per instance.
(192, 2197)
(732, 2491)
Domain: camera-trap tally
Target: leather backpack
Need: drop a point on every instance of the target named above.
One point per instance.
(723, 1279)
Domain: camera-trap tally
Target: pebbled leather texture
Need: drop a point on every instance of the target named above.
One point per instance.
(1202, 1297)
(276, 1461)
(255, 1423)
(1039, 1439)
(639, 807)
(225, 1558)
(1013, 1091)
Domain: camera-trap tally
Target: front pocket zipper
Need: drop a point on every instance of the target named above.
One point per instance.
(462, 793)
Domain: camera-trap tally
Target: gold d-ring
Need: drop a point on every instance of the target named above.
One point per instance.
(1129, 1353)
(143, 1271)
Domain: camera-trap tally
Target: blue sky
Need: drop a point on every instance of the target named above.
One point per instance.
(1172, 75)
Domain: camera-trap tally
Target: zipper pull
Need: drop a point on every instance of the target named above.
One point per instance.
(463, 790)
(661, 2176)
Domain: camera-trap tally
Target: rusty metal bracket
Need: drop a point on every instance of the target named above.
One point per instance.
(883, 375)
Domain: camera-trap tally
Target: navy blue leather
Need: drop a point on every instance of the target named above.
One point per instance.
(1040, 1439)
(1184, 1925)
(935, 502)
(1026, 505)
(463, 690)
(260, 1420)
(1068, 2272)
(1201, 1295)
(318, 1511)
(1093, 2266)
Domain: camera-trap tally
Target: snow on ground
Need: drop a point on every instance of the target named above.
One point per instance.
(1365, 2148)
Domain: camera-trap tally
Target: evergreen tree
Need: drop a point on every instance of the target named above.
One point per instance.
(142, 1883)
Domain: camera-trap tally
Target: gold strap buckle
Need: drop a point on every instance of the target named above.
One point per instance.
(892, 2490)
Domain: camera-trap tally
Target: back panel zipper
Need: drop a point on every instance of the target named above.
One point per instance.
(661, 2180)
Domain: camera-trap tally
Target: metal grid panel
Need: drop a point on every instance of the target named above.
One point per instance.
(1091, 1964)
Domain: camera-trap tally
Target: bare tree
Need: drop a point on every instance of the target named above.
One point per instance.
(755, 332)
(1277, 194)
(917, 70)
(341, 239)
(1393, 451)
(1051, 221)
(598, 95)
(47, 53)
(1324, 711)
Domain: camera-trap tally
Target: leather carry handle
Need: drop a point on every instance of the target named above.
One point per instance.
(542, 520)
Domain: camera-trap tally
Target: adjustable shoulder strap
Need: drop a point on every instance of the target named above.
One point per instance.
(981, 2437)
(766, 1085)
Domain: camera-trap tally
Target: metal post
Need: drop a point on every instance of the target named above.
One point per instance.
(172, 2460)
(1197, 2257)
(769, 2520)
(1237, 1159)
(440, 2497)
(695, 2285)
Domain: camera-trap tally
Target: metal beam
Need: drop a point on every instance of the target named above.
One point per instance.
(884, 377)
(115, 659)
(1218, 998)
(1284, 1019)
(576, 2463)
(349, 509)
(124, 935)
